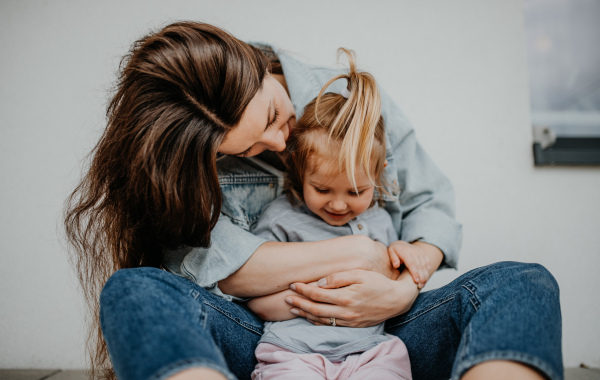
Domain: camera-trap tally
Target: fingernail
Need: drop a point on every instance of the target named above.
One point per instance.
(294, 311)
(288, 300)
(293, 286)
(322, 282)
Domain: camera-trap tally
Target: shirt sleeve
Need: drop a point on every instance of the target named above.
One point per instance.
(426, 195)
(231, 246)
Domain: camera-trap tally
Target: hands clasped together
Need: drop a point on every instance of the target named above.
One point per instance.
(359, 297)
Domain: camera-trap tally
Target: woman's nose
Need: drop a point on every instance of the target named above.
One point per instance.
(275, 142)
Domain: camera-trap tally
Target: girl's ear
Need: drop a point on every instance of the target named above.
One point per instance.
(385, 164)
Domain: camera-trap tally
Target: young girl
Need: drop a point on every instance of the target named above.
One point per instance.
(336, 164)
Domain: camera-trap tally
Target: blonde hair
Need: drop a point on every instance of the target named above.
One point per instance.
(355, 123)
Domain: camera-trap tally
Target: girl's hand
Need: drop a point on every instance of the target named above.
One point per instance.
(414, 258)
(355, 298)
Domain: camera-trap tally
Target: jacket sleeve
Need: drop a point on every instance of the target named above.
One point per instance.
(231, 246)
(426, 196)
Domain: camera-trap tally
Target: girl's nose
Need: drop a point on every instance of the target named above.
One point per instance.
(337, 205)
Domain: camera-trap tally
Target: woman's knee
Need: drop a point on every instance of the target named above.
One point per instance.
(147, 279)
(528, 274)
(146, 288)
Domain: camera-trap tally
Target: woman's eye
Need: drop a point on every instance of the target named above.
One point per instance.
(244, 153)
(275, 116)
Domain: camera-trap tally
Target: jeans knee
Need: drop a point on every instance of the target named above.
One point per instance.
(145, 285)
(542, 276)
(529, 275)
(124, 281)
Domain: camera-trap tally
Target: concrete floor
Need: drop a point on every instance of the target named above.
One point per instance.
(57, 374)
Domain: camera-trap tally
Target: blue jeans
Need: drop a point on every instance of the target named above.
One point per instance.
(156, 324)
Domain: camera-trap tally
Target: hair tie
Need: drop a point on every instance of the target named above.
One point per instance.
(345, 93)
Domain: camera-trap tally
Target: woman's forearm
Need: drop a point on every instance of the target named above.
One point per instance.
(275, 265)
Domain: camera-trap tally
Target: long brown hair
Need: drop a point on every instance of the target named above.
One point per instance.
(152, 179)
(354, 129)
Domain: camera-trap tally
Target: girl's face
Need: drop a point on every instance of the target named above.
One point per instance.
(266, 123)
(332, 196)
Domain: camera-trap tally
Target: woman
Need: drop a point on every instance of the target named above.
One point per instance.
(191, 104)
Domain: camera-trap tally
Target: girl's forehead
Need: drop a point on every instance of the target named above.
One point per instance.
(327, 169)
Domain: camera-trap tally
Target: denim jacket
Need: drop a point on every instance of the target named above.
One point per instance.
(420, 200)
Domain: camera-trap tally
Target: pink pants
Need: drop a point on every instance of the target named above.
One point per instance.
(387, 360)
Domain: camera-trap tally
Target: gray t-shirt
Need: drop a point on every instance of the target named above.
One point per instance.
(281, 221)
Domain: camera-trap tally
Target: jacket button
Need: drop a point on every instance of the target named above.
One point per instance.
(360, 226)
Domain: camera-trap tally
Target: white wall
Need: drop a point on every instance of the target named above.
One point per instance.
(457, 69)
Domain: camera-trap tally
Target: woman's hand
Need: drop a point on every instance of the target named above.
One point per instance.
(355, 298)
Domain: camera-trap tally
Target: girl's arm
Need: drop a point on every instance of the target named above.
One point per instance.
(274, 306)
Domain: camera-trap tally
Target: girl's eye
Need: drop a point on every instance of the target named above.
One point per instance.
(356, 193)
(321, 191)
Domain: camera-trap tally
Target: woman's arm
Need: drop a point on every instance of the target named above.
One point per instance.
(346, 295)
(275, 265)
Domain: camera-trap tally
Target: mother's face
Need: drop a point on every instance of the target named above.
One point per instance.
(266, 123)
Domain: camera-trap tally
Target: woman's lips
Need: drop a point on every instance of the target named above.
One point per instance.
(336, 216)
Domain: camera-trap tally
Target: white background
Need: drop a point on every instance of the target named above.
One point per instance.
(457, 68)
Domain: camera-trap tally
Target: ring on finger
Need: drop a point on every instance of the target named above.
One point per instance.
(332, 321)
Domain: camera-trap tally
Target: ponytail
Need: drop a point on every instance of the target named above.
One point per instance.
(352, 120)
(356, 122)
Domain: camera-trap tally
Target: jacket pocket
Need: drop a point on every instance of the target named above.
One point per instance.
(243, 202)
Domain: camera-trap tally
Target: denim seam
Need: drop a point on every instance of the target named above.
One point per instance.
(471, 288)
(515, 356)
(182, 365)
(435, 305)
(257, 179)
(203, 319)
(245, 325)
